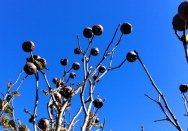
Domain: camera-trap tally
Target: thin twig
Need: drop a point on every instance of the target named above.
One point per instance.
(119, 66)
(19, 75)
(161, 120)
(21, 82)
(185, 103)
(176, 33)
(78, 39)
(175, 121)
(163, 110)
(111, 40)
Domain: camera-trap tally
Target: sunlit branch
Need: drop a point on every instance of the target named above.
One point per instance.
(103, 124)
(21, 82)
(119, 66)
(117, 44)
(100, 77)
(19, 75)
(49, 104)
(111, 59)
(177, 125)
(60, 115)
(176, 33)
(78, 39)
(111, 40)
(36, 102)
(162, 108)
(185, 103)
(49, 88)
(90, 40)
(74, 118)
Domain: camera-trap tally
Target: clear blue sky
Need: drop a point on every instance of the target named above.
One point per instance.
(53, 26)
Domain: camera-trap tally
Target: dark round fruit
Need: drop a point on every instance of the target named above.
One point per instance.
(178, 23)
(64, 62)
(97, 29)
(131, 56)
(43, 124)
(66, 92)
(77, 51)
(102, 69)
(55, 80)
(98, 103)
(94, 51)
(95, 77)
(28, 46)
(72, 75)
(76, 66)
(126, 28)
(87, 32)
(31, 120)
(30, 68)
(36, 57)
(183, 10)
(97, 120)
(183, 88)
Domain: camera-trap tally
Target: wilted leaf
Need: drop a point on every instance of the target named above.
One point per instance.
(16, 93)
(9, 110)
(4, 119)
(9, 84)
(6, 125)
(23, 128)
(63, 129)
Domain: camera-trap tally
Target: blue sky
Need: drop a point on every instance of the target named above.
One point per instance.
(53, 26)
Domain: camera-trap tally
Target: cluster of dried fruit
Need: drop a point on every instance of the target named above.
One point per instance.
(180, 20)
(34, 62)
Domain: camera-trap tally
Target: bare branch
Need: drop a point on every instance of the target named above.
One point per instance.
(36, 102)
(49, 112)
(19, 75)
(111, 40)
(176, 33)
(60, 115)
(74, 118)
(175, 121)
(21, 82)
(78, 39)
(119, 66)
(166, 119)
(185, 103)
(151, 98)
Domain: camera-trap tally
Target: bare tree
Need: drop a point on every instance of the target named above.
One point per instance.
(63, 90)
